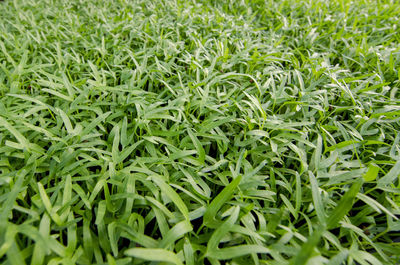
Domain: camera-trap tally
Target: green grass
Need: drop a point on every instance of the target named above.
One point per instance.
(199, 132)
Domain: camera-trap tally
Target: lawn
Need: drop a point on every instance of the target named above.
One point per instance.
(199, 132)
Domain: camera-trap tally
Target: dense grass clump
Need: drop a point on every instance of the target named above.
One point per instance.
(199, 132)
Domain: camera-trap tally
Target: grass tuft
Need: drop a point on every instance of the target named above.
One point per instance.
(199, 132)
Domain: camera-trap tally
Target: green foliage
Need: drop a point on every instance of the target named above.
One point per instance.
(199, 132)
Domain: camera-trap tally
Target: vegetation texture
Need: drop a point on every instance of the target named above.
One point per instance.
(199, 132)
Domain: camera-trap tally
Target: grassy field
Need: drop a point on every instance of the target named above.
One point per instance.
(199, 132)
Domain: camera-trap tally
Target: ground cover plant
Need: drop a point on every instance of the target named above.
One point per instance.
(199, 132)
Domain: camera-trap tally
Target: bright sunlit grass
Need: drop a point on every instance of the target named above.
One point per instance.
(199, 132)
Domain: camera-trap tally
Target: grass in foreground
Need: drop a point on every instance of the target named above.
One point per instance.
(202, 132)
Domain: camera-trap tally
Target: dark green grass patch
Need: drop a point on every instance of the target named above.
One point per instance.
(199, 132)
